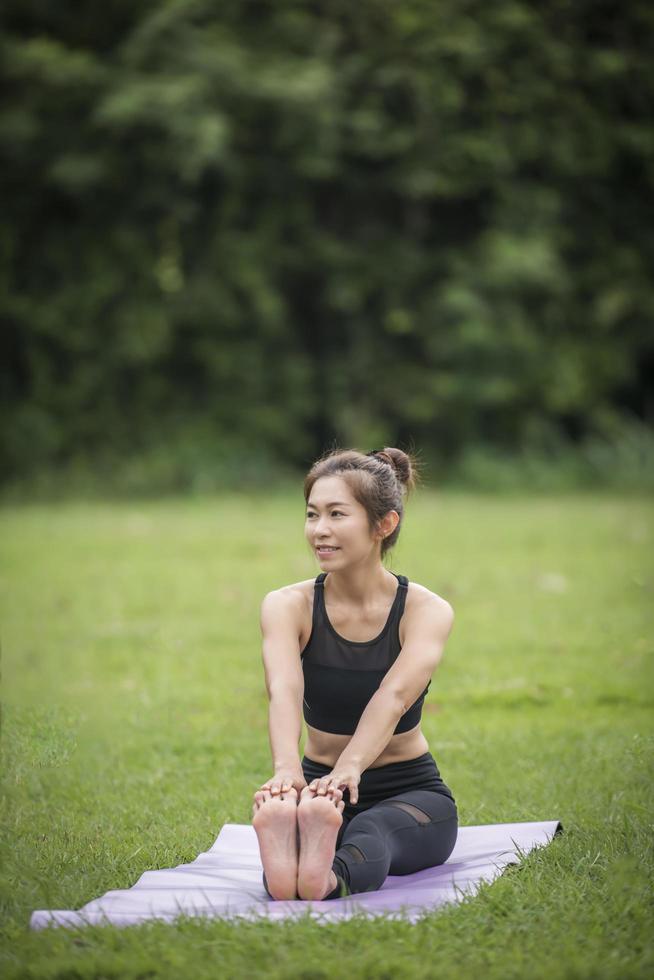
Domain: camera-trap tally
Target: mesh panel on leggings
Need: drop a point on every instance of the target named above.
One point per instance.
(354, 851)
(419, 815)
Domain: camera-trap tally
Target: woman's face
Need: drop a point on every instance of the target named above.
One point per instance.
(336, 525)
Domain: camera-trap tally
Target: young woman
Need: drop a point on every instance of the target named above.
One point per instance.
(356, 649)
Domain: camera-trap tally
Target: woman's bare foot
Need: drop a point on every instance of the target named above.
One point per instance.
(319, 819)
(274, 819)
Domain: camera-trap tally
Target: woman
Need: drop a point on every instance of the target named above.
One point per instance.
(357, 649)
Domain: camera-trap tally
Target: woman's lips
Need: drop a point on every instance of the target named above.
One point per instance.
(326, 551)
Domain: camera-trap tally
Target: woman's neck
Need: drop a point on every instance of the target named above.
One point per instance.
(360, 585)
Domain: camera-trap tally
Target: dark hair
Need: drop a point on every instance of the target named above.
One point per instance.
(379, 481)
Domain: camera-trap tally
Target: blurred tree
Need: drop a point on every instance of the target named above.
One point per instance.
(277, 225)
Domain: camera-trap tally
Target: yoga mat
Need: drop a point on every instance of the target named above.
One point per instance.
(225, 882)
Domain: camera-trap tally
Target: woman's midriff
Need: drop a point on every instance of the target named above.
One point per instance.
(326, 747)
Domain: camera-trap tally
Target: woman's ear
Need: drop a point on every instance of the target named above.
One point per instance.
(388, 523)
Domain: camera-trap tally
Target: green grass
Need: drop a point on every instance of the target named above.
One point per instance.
(135, 726)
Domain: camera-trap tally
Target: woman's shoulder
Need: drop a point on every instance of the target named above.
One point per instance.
(296, 594)
(426, 613)
(294, 602)
(419, 598)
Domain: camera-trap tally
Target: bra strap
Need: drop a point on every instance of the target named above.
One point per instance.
(318, 594)
(403, 588)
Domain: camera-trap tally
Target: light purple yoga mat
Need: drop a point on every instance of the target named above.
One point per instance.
(225, 882)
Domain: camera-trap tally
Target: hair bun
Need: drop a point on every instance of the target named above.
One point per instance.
(401, 463)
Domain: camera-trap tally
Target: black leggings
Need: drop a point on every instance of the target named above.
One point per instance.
(405, 820)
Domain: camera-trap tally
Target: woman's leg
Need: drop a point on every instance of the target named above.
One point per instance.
(399, 836)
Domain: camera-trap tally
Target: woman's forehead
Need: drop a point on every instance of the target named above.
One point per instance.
(328, 490)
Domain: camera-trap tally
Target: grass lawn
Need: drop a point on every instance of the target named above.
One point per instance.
(135, 726)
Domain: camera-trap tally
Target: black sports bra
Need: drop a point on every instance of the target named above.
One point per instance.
(340, 676)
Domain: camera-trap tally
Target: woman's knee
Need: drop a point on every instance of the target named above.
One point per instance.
(442, 839)
(425, 828)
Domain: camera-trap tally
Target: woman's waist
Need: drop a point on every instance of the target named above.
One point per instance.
(384, 768)
(327, 747)
(420, 768)
(389, 779)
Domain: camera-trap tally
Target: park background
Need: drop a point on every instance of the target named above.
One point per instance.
(235, 236)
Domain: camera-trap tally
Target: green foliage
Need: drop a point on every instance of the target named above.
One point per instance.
(288, 225)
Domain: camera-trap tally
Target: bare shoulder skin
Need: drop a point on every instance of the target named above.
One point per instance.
(300, 595)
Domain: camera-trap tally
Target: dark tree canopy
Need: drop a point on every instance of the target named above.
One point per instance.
(266, 226)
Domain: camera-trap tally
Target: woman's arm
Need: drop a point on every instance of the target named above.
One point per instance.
(280, 612)
(427, 629)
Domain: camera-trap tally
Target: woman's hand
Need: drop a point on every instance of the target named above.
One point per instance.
(342, 777)
(283, 780)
